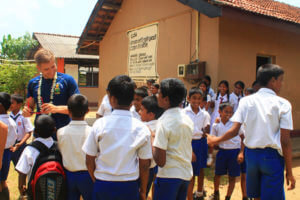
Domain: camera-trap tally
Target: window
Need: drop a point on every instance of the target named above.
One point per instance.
(88, 76)
(264, 59)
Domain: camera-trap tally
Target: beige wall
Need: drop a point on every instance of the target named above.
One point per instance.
(241, 42)
(174, 43)
(91, 93)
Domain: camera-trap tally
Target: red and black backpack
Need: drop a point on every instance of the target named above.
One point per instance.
(48, 179)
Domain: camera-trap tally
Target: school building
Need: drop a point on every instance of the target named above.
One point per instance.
(226, 39)
(83, 68)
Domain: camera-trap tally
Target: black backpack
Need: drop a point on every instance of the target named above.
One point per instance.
(48, 179)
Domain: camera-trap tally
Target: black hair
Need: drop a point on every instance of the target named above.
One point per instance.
(222, 106)
(44, 126)
(156, 85)
(174, 89)
(78, 105)
(266, 72)
(250, 90)
(241, 84)
(18, 98)
(122, 88)
(151, 105)
(227, 85)
(207, 78)
(195, 90)
(5, 100)
(207, 87)
(141, 91)
(151, 81)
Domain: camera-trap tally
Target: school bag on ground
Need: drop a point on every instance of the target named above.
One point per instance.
(48, 179)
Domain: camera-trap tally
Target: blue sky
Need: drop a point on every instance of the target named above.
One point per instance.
(51, 16)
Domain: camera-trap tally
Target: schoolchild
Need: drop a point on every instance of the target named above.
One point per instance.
(172, 149)
(237, 94)
(118, 149)
(139, 94)
(70, 140)
(5, 102)
(268, 121)
(44, 129)
(150, 112)
(154, 89)
(207, 79)
(222, 96)
(227, 156)
(204, 88)
(201, 121)
(104, 108)
(24, 127)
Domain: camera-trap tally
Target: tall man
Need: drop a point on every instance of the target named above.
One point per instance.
(50, 90)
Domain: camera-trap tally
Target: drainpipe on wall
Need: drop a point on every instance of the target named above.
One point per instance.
(197, 35)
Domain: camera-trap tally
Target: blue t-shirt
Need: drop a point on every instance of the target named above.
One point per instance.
(65, 87)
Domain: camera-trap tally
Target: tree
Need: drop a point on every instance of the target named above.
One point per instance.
(17, 49)
(15, 75)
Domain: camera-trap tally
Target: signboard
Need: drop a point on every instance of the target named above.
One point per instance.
(142, 52)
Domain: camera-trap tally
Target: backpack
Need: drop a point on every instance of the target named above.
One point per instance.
(48, 179)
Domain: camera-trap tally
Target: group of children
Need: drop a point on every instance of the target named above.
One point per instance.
(147, 135)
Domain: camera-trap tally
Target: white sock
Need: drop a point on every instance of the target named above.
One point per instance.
(199, 194)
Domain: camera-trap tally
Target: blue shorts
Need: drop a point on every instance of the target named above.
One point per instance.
(15, 156)
(226, 162)
(200, 150)
(79, 183)
(170, 189)
(265, 174)
(115, 190)
(5, 164)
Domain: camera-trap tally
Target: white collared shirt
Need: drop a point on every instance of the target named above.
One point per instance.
(219, 129)
(264, 114)
(134, 113)
(152, 125)
(105, 107)
(174, 133)
(215, 113)
(201, 121)
(118, 141)
(234, 100)
(29, 156)
(211, 92)
(12, 130)
(24, 125)
(70, 140)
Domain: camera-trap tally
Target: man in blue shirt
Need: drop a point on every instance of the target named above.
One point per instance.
(50, 90)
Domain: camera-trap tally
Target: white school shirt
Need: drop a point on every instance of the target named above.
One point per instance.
(118, 141)
(200, 120)
(29, 156)
(219, 129)
(211, 92)
(12, 130)
(234, 100)
(134, 113)
(152, 125)
(70, 140)
(264, 114)
(105, 107)
(218, 101)
(174, 133)
(24, 125)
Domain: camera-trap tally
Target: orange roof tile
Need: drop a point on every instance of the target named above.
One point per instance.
(269, 8)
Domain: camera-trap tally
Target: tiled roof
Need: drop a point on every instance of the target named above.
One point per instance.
(269, 8)
(63, 46)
